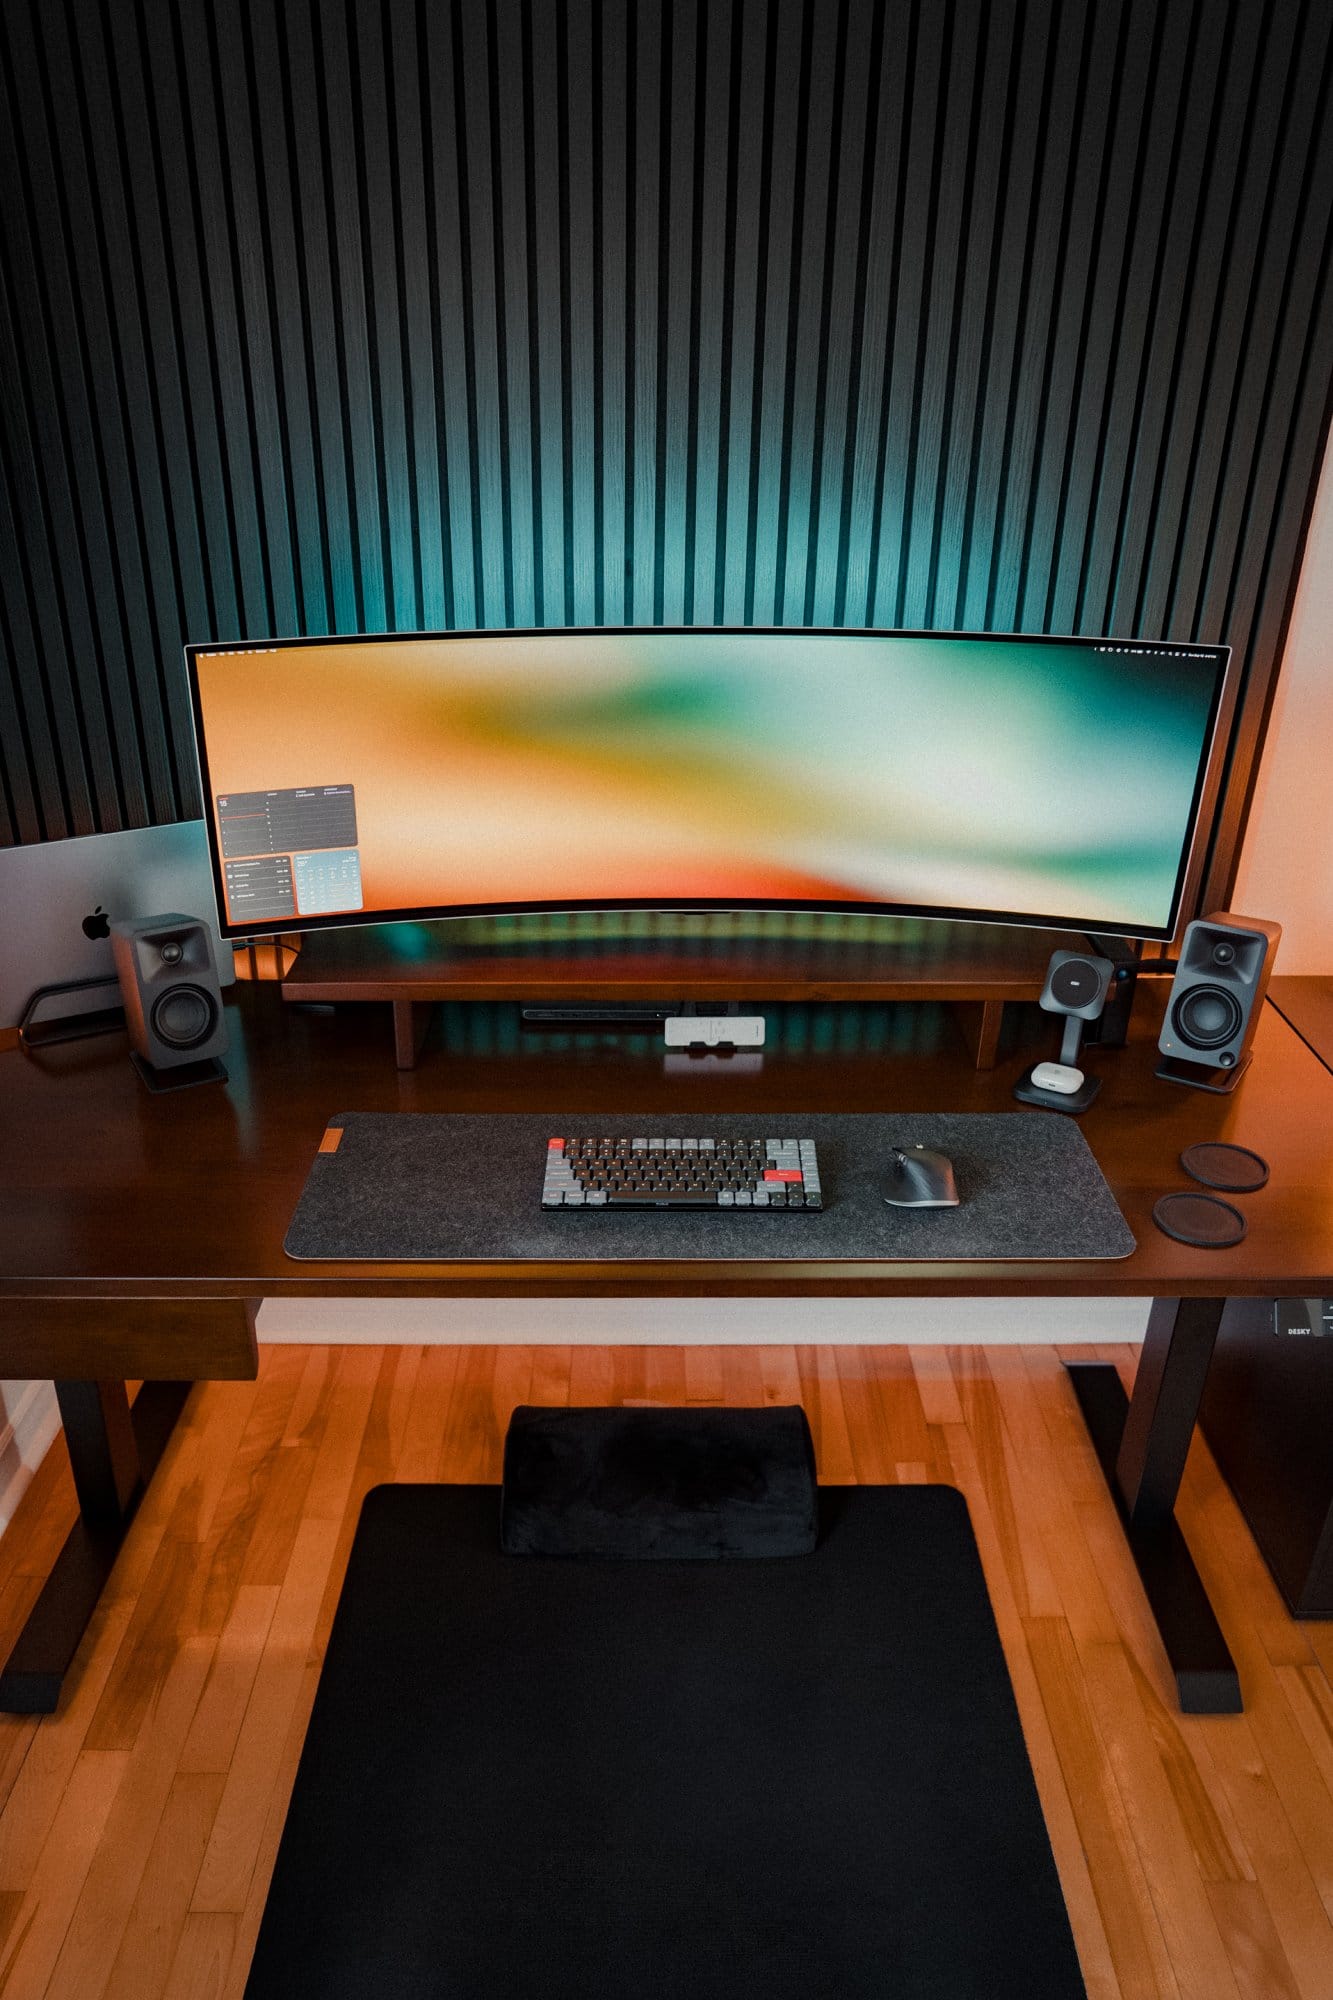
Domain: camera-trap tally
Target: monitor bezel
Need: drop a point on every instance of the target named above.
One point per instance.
(1187, 875)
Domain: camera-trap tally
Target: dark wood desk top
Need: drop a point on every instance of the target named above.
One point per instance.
(107, 1191)
(1307, 1004)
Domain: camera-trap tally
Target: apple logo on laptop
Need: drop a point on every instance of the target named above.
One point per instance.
(97, 924)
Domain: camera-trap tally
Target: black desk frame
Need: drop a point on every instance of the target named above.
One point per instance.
(1142, 1443)
(114, 1448)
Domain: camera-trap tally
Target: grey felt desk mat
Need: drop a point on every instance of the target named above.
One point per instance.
(466, 1186)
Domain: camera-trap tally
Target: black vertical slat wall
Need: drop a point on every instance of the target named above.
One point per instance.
(339, 315)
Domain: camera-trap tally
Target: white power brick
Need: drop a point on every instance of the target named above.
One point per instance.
(709, 1031)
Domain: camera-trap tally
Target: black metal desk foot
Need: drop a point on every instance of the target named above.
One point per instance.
(114, 1452)
(1206, 1678)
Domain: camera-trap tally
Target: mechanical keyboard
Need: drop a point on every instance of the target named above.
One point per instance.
(650, 1172)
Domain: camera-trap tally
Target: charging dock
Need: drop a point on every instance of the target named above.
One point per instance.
(1073, 1101)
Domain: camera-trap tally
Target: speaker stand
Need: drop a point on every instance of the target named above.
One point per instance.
(210, 1070)
(1221, 1082)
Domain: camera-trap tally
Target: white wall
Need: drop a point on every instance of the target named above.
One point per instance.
(703, 1322)
(29, 1419)
(1286, 867)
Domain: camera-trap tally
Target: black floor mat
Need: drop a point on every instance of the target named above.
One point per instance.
(798, 1779)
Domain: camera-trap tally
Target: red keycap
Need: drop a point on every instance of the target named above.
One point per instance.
(555, 1145)
(782, 1174)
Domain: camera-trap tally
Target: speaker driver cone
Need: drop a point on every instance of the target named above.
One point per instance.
(1207, 1017)
(184, 1016)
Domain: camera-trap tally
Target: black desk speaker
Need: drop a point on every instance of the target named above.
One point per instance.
(1213, 1009)
(173, 1002)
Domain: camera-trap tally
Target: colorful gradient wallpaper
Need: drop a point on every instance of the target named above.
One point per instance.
(1034, 778)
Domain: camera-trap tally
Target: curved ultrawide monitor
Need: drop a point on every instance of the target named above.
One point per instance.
(1019, 780)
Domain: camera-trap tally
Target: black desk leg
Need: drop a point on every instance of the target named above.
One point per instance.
(1142, 1445)
(113, 1449)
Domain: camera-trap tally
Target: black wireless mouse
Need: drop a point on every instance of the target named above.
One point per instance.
(918, 1178)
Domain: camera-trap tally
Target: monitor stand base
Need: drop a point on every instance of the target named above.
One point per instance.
(977, 969)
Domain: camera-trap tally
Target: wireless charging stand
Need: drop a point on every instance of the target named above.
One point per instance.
(1073, 1101)
(1028, 1091)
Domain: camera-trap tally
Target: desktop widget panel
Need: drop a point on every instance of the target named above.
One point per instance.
(290, 852)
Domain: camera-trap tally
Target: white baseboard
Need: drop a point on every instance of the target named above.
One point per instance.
(34, 1417)
(32, 1420)
(701, 1322)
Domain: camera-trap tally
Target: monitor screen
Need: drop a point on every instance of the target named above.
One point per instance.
(1022, 780)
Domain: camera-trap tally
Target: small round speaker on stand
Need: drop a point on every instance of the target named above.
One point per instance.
(173, 1002)
(1076, 986)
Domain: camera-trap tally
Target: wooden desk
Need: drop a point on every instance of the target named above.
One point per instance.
(139, 1233)
(1306, 1004)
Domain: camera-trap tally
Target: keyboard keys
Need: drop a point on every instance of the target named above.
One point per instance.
(667, 1171)
(657, 1198)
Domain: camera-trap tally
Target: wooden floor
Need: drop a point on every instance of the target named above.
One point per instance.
(139, 1825)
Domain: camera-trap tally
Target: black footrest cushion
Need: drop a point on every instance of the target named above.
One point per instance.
(677, 1484)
